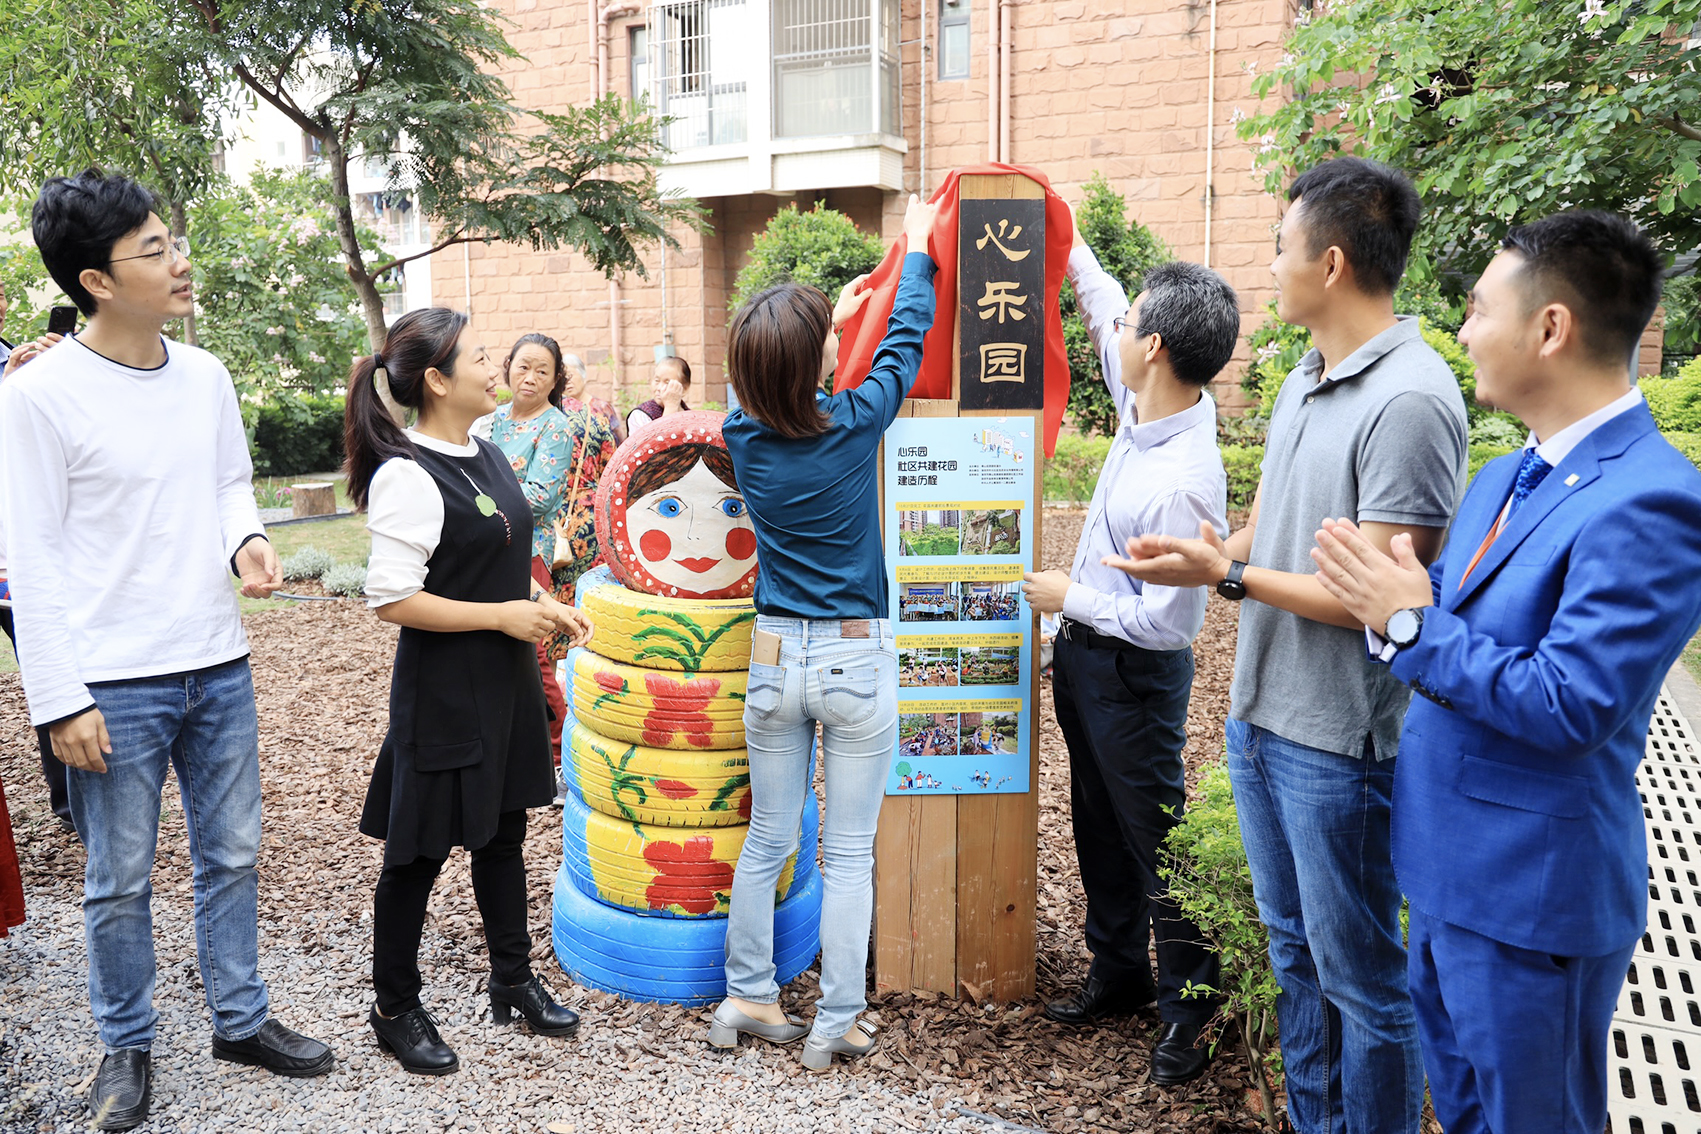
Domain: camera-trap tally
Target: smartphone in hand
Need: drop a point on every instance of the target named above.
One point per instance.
(62, 320)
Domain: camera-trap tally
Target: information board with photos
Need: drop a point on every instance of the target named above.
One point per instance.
(959, 535)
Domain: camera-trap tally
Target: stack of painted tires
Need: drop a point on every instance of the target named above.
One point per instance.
(659, 784)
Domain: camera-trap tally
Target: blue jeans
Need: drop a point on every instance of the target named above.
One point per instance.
(1316, 829)
(203, 724)
(850, 685)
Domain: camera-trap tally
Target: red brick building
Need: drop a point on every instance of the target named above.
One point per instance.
(858, 103)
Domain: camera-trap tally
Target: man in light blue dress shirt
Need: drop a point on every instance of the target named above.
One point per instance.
(1124, 659)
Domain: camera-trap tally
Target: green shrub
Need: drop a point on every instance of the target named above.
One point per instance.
(1497, 430)
(1244, 465)
(1210, 881)
(346, 579)
(1689, 444)
(1480, 455)
(1277, 348)
(295, 435)
(1676, 402)
(1126, 249)
(1071, 475)
(822, 248)
(308, 563)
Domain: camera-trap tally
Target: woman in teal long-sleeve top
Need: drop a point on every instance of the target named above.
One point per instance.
(807, 465)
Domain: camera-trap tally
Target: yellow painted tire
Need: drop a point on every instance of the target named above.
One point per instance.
(662, 871)
(655, 708)
(681, 635)
(658, 787)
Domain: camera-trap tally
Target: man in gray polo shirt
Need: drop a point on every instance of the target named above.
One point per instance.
(1370, 425)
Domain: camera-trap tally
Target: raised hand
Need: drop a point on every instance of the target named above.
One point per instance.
(1170, 561)
(851, 301)
(918, 223)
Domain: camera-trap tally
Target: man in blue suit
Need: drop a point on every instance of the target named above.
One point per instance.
(1570, 582)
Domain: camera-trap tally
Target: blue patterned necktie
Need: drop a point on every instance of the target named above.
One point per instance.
(1532, 470)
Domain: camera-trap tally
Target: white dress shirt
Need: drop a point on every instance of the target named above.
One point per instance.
(1161, 477)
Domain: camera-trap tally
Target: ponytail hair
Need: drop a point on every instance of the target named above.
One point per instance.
(372, 432)
(554, 349)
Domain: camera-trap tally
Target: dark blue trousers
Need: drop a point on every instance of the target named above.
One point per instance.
(1123, 714)
(1514, 1041)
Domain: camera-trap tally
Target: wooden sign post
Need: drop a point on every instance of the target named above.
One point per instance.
(955, 875)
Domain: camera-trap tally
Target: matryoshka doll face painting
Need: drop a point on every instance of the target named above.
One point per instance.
(669, 514)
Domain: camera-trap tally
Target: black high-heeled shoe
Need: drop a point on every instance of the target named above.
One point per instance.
(413, 1039)
(543, 1015)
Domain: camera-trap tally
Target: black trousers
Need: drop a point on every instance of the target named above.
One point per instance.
(51, 769)
(1123, 714)
(398, 916)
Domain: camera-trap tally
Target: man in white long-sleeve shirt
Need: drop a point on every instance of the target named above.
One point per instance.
(128, 498)
(1123, 661)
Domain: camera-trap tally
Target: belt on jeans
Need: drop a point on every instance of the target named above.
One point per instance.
(1082, 634)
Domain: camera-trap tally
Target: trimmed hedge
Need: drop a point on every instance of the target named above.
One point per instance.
(295, 435)
(1676, 402)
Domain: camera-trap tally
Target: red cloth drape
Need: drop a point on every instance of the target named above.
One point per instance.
(863, 333)
(11, 880)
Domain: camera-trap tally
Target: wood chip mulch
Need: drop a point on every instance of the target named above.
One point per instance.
(322, 674)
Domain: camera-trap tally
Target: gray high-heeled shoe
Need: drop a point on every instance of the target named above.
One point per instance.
(730, 1022)
(818, 1053)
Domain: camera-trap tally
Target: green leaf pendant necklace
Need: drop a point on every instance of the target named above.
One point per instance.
(487, 507)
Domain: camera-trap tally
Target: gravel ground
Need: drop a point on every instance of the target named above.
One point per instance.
(322, 673)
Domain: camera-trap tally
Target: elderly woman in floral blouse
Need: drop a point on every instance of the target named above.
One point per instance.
(538, 441)
(575, 392)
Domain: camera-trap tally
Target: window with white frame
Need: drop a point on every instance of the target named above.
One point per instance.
(698, 52)
(835, 67)
(953, 39)
(638, 61)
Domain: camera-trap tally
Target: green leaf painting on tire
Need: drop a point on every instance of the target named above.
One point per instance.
(692, 644)
(622, 782)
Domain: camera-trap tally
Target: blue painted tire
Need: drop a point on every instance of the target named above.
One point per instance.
(675, 960)
(603, 857)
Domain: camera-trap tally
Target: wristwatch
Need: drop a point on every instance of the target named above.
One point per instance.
(1230, 586)
(1404, 626)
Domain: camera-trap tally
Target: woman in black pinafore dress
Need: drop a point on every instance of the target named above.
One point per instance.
(468, 747)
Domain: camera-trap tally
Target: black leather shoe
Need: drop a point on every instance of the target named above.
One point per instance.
(1099, 998)
(543, 1015)
(413, 1039)
(1177, 1056)
(279, 1050)
(123, 1088)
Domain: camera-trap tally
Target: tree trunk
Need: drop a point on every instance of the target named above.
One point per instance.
(180, 227)
(342, 208)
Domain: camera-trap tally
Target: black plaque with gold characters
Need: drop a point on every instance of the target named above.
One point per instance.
(1001, 303)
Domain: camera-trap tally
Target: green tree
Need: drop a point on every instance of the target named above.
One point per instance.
(822, 248)
(270, 283)
(21, 271)
(111, 84)
(1502, 112)
(1126, 249)
(411, 84)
